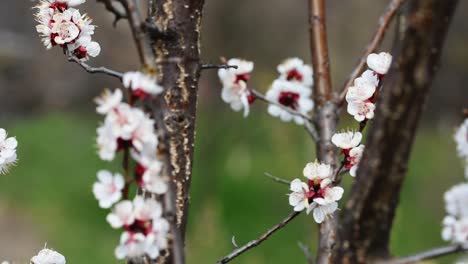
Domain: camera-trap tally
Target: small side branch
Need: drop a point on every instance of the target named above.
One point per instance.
(379, 34)
(118, 14)
(253, 243)
(429, 254)
(217, 66)
(277, 179)
(91, 69)
(307, 254)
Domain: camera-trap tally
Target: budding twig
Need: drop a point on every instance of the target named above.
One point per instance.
(379, 34)
(306, 250)
(118, 14)
(91, 69)
(429, 254)
(277, 179)
(217, 66)
(253, 243)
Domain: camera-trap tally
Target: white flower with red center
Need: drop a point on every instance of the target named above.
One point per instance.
(142, 85)
(455, 230)
(63, 28)
(144, 134)
(157, 239)
(8, 154)
(122, 214)
(48, 256)
(125, 120)
(353, 158)
(235, 91)
(108, 100)
(379, 63)
(107, 140)
(131, 245)
(315, 170)
(361, 110)
(153, 181)
(461, 139)
(146, 209)
(456, 200)
(317, 196)
(347, 140)
(290, 95)
(108, 190)
(294, 70)
(84, 47)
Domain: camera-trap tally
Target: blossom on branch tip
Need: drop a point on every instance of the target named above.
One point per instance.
(353, 159)
(361, 110)
(347, 140)
(142, 85)
(294, 70)
(48, 256)
(318, 195)
(108, 188)
(8, 156)
(108, 100)
(379, 63)
(235, 91)
(290, 95)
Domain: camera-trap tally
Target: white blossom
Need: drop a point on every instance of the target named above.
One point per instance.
(84, 47)
(353, 159)
(294, 70)
(461, 139)
(368, 76)
(317, 196)
(235, 91)
(157, 239)
(108, 188)
(108, 101)
(142, 85)
(361, 110)
(124, 120)
(146, 209)
(144, 134)
(8, 154)
(316, 170)
(291, 95)
(48, 256)
(456, 200)
(107, 140)
(455, 230)
(362, 90)
(347, 140)
(379, 63)
(131, 245)
(122, 214)
(153, 181)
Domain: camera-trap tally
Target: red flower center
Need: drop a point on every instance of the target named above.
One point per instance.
(315, 190)
(242, 77)
(289, 99)
(139, 171)
(60, 6)
(81, 52)
(294, 75)
(140, 94)
(251, 98)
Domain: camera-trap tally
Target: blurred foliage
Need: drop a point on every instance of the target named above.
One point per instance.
(51, 188)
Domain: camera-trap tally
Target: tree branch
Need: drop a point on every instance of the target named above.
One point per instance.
(429, 254)
(253, 243)
(277, 179)
(111, 8)
(217, 66)
(384, 22)
(307, 254)
(91, 69)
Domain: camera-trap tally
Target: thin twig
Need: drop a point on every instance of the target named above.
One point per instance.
(253, 243)
(379, 34)
(217, 66)
(338, 174)
(277, 179)
(429, 254)
(118, 14)
(307, 254)
(311, 130)
(91, 69)
(233, 241)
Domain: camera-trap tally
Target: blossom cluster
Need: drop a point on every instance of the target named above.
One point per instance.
(318, 194)
(48, 256)
(291, 90)
(234, 80)
(60, 24)
(455, 224)
(350, 144)
(8, 155)
(127, 128)
(362, 95)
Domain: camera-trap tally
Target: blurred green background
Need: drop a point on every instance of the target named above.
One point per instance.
(46, 103)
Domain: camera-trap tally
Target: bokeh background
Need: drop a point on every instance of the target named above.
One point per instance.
(47, 104)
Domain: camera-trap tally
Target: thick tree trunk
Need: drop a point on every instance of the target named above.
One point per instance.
(366, 222)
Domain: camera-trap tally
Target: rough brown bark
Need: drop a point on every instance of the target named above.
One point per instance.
(366, 222)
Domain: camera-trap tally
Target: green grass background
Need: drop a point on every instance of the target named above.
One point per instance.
(51, 185)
